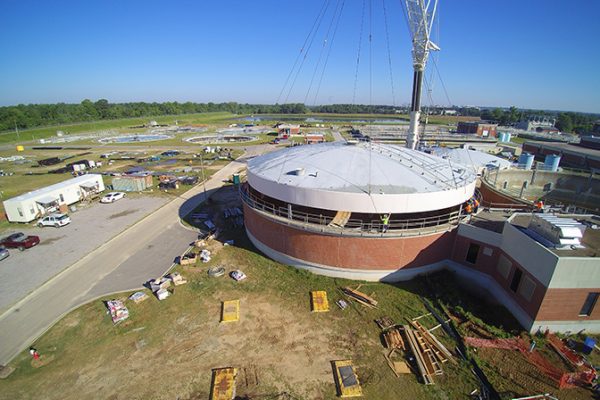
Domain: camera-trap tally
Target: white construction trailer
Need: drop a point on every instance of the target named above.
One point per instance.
(33, 205)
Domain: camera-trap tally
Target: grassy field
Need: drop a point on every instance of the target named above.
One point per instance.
(118, 124)
(285, 346)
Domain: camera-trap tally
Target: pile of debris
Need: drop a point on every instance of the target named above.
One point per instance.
(188, 258)
(359, 297)
(117, 310)
(160, 285)
(205, 256)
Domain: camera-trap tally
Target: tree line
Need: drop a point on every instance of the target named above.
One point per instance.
(572, 122)
(34, 115)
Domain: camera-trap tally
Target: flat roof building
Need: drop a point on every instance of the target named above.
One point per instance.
(32, 205)
(482, 129)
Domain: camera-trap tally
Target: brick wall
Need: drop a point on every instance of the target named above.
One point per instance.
(349, 252)
(565, 305)
(488, 264)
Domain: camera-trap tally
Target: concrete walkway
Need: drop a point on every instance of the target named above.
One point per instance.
(123, 263)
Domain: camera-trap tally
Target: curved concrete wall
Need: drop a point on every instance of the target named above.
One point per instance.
(383, 255)
(373, 203)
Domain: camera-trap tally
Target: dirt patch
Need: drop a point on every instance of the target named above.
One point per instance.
(121, 214)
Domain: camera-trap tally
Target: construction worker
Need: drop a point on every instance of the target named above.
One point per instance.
(539, 205)
(468, 208)
(475, 205)
(385, 222)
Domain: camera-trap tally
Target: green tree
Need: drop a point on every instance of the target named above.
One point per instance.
(564, 122)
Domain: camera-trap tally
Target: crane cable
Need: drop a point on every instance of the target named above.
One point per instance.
(326, 38)
(362, 21)
(311, 38)
(387, 40)
(328, 52)
(300, 53)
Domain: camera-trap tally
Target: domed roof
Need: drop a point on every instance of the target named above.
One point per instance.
(361, 177)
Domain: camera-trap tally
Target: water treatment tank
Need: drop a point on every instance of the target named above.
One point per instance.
(551, 162)
(526, 161)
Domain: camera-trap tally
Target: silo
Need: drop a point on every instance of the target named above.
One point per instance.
(551, 162)
(526, 161)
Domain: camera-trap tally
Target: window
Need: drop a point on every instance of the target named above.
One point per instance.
(527, 288)
(472, 253)
(62, 198)
(589, 304)
(20, 212)
(504, 265)
(514, 284)
(31, 210)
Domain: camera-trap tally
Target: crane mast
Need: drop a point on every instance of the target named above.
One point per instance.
(420, 15)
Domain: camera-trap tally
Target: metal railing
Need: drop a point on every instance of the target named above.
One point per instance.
(353, 227)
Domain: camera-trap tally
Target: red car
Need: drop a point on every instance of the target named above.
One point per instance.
(19, 241)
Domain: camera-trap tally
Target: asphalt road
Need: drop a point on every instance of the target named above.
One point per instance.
(90, 227)
(144, 251)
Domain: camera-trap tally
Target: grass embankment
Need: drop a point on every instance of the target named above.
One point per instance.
(180, 340)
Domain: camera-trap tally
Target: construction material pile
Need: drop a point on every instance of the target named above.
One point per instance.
(117, 310)
(417, 344)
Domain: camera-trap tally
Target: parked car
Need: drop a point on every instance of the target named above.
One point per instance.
(55, 220)
(170, 153)
(19, 241)
(112, 197)
(3, 253)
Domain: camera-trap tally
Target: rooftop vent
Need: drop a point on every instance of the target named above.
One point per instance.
(564, 233)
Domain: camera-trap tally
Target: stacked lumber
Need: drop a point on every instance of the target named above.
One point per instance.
(440, 351)
(360, 297)
(413, 344)
(393, 339)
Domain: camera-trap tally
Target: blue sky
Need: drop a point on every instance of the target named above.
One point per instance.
(531, 54)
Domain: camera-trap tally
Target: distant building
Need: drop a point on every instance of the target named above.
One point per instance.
(585, 155)
(449, 112)
(478, 128)
(547, 129)
(286, 130)
(536, 121)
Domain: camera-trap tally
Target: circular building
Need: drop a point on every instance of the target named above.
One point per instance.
(356, 210)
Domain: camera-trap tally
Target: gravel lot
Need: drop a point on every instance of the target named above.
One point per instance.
(23, 272)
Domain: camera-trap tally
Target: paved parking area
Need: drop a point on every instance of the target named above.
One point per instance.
(23, 272)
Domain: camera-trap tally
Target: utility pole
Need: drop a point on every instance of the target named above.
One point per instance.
(203, 177)
(17, 130)
(420, 15)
